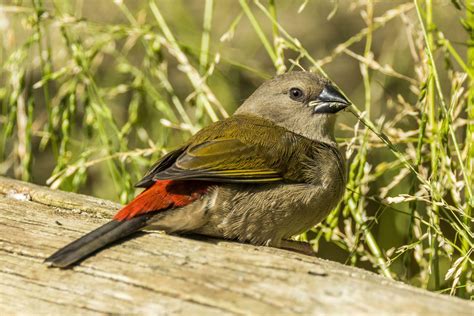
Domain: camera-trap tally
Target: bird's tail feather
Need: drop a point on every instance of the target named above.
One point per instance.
(95, 240)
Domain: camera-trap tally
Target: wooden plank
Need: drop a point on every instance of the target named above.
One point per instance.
(157, 273)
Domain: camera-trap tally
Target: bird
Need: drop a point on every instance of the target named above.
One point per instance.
(270, 171)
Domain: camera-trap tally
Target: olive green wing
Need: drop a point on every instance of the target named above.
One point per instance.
(241, 148)
(165, 162)
(221, 160)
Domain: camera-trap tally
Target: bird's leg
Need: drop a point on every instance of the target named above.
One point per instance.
(298, 246)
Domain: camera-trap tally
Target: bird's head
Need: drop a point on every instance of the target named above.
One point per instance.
(302, 102)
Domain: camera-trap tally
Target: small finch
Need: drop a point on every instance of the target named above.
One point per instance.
(270, 171)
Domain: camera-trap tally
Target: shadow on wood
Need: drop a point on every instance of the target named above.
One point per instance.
(156, 273)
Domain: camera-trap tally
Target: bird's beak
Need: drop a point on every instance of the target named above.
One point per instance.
(330, 100)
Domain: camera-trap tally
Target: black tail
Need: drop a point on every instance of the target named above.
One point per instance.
(95, 240)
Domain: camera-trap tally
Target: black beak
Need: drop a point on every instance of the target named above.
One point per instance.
(330, 100)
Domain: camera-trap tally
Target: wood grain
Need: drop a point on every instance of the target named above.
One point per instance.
(154, 273)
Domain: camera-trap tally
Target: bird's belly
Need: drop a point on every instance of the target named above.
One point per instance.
(266, 214)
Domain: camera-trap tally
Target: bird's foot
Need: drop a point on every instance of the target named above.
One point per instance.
(298, 246)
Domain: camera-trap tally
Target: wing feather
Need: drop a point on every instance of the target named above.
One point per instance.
(165, 162)
(221, 160)
(239, 149)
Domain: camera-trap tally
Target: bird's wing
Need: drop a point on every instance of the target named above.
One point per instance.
(222, 160)
(238, 149)
(165, 162)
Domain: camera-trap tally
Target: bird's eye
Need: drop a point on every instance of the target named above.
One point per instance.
(296, 93)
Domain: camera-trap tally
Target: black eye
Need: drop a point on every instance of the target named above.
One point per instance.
(296, 94)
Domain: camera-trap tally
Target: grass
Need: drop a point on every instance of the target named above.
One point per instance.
(89, 100)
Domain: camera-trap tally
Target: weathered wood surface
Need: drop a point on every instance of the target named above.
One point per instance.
(159, 274)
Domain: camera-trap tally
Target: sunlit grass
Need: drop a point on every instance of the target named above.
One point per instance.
(95, 103)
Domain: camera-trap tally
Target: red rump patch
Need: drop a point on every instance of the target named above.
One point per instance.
(162, 195)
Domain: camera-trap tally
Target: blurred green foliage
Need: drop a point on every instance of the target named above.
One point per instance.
(92, 92)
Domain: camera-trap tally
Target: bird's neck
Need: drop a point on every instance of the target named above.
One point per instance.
(319, 128)
(323, 130)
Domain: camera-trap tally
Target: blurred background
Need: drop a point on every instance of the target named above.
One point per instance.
(93, 92)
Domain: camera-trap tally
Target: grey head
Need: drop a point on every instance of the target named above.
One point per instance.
(301, 102)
